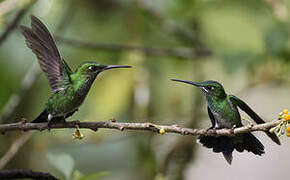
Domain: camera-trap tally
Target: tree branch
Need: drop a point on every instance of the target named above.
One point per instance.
(16, 99)
(169, 26)
(21, 174)
(13, 24)
(30, 76)
(23, 126)
(186, 53)
(17, 144)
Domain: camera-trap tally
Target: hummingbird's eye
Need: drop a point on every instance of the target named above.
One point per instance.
(92, 68)
(210, 88)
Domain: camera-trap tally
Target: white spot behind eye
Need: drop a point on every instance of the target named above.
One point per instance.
(208, 88)
(92, 68)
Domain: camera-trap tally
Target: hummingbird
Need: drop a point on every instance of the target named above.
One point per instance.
(69, 88)
(223, 113)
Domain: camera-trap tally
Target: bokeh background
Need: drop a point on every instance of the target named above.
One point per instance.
(243, 44)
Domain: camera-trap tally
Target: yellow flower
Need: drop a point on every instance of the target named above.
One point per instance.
(287, 117)
(285, 111)
(288, 129)
(162, 131)
(78, 134)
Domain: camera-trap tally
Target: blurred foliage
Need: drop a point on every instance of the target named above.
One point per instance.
(277, 40)
(249, 46)
(64, 163)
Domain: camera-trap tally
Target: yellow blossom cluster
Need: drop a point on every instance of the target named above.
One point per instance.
(284, 125)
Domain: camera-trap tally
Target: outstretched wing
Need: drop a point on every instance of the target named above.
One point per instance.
(241, 104)
(39, 40)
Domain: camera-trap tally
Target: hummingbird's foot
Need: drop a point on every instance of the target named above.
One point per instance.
(232, 130)
(49, 123)
(160, 129)
(250, 125)
(23, 120)
(211, 130)
(176, 125)
(112, 120)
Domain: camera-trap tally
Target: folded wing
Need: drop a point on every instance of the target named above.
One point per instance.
(241, 104)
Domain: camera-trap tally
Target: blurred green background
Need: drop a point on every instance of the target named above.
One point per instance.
(243, 44)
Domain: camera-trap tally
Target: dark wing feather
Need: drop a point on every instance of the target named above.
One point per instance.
(212, 119)
(241, 104)
(39, 40)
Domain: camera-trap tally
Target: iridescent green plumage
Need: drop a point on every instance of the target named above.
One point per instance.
(69, 88)
(223, 113)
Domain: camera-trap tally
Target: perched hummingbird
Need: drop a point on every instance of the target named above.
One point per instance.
(69, 88)
(223, 113)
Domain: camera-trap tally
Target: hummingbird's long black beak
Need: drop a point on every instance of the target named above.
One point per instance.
(197, 84)
(115, 66)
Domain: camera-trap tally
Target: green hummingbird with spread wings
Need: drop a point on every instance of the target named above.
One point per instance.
(69, 88)
(223, 113)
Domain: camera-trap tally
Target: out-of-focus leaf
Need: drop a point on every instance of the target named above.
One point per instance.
(77, 175)
(277, 41)
(274, 39)
(95, 176)
(62, 162)
(233, 61)
(160, 177)
(1, 21)
(232, 30)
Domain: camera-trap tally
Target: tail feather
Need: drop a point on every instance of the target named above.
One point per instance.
(274, 137)
(252, 144)
(227, 144)
(41, 118)
(228, 156)
(219, 144)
